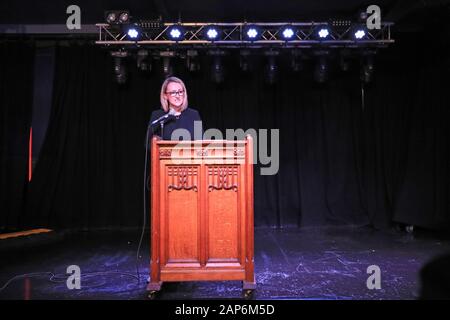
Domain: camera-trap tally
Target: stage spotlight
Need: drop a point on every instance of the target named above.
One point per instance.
(217, 71)
(120, 70)
(323, 33)
(143, 61)
(271, 68)
(212, 33)
(288, 33)
(244, 62)
(359, 32)
(111, 17)
(132, 31)
(367, 68)
(192, 62)
(252, 33)
(117, 16)
(175, 33)
(167, 67)
(217, 66)
(321, 70)
(124, 17)
(166, 57)
(296, 63)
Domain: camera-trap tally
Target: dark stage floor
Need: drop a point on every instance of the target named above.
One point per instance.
(308, 263)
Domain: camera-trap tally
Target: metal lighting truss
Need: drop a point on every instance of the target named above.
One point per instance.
(232, 36)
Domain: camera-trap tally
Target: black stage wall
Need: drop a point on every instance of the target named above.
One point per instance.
(341, 162)
(16, 99)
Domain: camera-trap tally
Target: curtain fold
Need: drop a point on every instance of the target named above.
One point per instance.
(16, 104)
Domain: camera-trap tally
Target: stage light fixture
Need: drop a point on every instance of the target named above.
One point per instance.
(124, 17)
(217, 72)
(212, 33)
(288, 33)
(120, 70)
(244, 61)
(117, 16)
(166, 56)
(192, 63)
(111, 17)
(217, 66)
(143, 61)
(359, 32)
(321, 70)
(252, 32)
(132, 31)
(323, 33)
(367, 67)
(175, 33)
(271, 69)
(296, 62)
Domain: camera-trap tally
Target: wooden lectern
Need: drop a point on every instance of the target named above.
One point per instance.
(202, 212)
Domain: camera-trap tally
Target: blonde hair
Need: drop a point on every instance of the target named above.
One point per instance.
(164, 101)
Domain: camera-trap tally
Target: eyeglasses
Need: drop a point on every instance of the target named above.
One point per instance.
(176, 93)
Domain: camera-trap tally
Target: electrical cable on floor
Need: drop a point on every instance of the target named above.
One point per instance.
(144, 201)
(58, 278)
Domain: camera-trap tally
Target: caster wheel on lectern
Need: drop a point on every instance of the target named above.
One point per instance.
(152, 295)
(248, 293)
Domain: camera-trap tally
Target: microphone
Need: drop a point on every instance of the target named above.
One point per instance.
(168, 116)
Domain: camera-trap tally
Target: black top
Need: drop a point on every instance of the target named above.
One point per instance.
(184, 121)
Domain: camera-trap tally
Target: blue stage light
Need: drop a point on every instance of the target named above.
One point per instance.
(288, 33)
(175, 33)
(252, 33)
(323, 33)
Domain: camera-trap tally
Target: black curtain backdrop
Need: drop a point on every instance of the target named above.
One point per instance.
(16, 99)
(341, 162)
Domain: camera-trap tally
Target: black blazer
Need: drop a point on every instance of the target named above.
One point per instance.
(184, 121)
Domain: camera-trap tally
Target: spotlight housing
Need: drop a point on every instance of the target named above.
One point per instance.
(120, 69)
(252, 33)
(288, 33)
(271, 68)
(323, 33)
(359, 32)
(117, 16)
(218, 72)
(175, 32)
(212, 33)
(321, 69)
(133, 31)
(124, 17)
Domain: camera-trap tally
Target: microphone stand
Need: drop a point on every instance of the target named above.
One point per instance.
(162, 129)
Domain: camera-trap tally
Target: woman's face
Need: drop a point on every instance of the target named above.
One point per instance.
(175, 95)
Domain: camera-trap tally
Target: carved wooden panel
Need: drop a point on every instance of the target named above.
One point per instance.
(182, 178)
(223, 209)
(223, 225)
(222, 178)
(182, 214)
